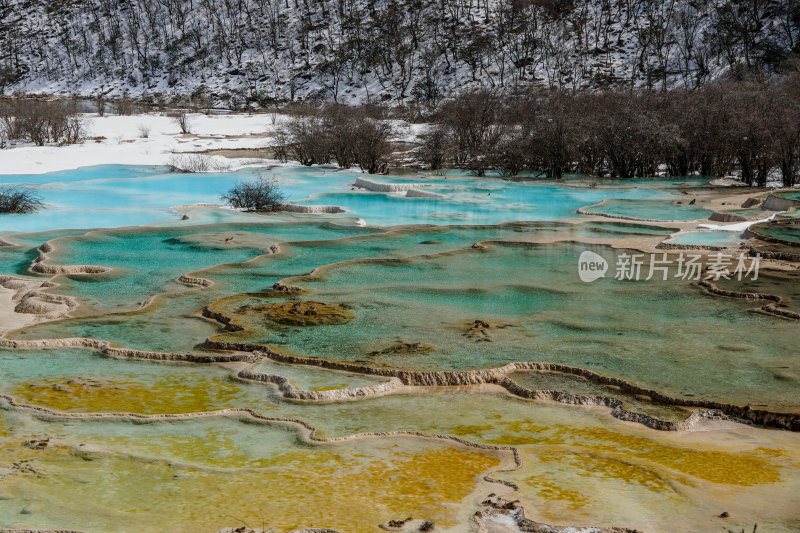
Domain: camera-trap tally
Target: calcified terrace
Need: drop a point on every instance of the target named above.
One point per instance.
(325, 374)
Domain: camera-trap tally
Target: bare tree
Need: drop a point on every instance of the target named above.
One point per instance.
(372, 146)
(183, 121)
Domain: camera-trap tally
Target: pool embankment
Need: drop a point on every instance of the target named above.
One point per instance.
(678, 246)
(770, 308)
(592, 210)
(376, 186)
(40, 267)
(312, 209)
(765, 232)
(756, 248)
(499, 376)
(774, 202)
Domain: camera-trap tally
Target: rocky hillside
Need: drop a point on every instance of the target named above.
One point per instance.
(359, 51)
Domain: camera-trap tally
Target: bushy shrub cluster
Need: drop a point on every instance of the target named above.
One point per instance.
(19, 200)
(260, 195)
(748, 126)
(337, 133)
(41, 122)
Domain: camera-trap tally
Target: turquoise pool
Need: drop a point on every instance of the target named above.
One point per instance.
(649, 209)
(120, 195)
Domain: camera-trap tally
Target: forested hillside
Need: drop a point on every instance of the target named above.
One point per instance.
(359, 51)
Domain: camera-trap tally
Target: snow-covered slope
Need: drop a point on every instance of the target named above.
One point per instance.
(240, 51)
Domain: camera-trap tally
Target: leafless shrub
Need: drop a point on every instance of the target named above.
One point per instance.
(144, 131)
(191, 163)
(340, 128)
(100, 105)
(281, 149)
(512, 153)
(472, 122)
(372, 146)
(435, 147)
(259, 195)
(74, 131)
(307, 143)
(347, 135)
(183, 121)
(749, 125)
(41, 122)
(19, 200)
(124, 105)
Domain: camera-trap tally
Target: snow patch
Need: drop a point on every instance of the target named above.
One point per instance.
(739, 226)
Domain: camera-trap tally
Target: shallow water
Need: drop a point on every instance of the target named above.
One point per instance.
(400, 296)
(786, 231)
(582, 387)
(17, 259)
(530, 295)
(792, 195)
(470, 203)
(120, 195)
(707, 238)
(117, 195)
(578, 461)
(85, 381)
(147, 262)
(533, 300)
(208, 474)
(317, 379)
(650, 210)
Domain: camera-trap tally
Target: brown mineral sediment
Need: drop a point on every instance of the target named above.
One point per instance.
(403, 348)
(312, 209)
(479, 330)
(496, 506)
(42, 268)
(41, 303)
(282, 287)
(304, 313)
(192, 280)
(376, 186)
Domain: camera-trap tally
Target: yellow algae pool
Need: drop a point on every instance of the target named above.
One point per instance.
(177, 483)
(86, 381)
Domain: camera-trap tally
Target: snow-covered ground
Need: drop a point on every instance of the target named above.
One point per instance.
(119, 140)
